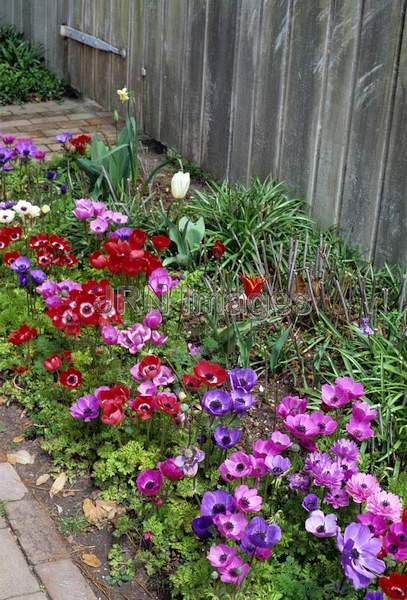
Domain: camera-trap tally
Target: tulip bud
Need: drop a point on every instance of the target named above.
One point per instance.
(115, 116)
(182, 396)
(45, 209)
(180, 185)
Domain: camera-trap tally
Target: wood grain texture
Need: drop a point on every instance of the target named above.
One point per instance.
(153, 59)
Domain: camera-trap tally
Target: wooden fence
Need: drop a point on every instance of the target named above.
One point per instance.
(311, 91)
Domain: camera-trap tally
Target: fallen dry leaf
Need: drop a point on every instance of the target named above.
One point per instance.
(3, 400)
(100, 511)
(22, 457)
(58, 485)
(67, 493)
(59, 509)
(18, 439)
(42, 479)
(91, 560)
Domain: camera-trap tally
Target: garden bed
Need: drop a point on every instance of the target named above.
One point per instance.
(220, 369)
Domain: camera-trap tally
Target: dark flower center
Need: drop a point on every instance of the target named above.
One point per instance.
(216, 404)
(87, 411)
(321, 426)
(320, 529)
(277, 471)
(223, 558)
(245, 502)
(363, 486)
(402, 537)
(235, 572)
(242, 382)
(149, 485)
(354, 554)
(218, 508)
(210, 377)
(385, 504)
(229, 526)
(301, 428)
(226, 440)
(240, 467)
(72, 379)
(393, 548)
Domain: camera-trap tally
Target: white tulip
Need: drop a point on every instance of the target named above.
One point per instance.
(7, 215)
(22, 207)
(45, 209)
(180, 185)
(34, 211)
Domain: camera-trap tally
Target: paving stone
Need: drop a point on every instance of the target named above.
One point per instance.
(81, 116)
(64, 581)
(45, 120)
(11, 486)
(3, 523)
(16, 122)
(16, 578)
(36, 532)
(37, 596)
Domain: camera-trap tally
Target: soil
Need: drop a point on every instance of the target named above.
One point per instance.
(66, 511)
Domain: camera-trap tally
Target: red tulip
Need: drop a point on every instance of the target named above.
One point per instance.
(97, 260)
(160, 242)
(23, 334)
(394, 586)
(253, 285)
(150, 366)
(210, 374)
(218, 249)
(70, 378)
(52, 363)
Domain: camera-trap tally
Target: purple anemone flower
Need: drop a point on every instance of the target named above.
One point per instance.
(123, 233)
(189, 460)
(344, 448)
(5, 154)
(291, 405)
(216, 403)
(226, 438)
(149, 482)
(109, 334)
(160, 282)
(98, 225)
(201, 526)
(362, 411)
(320, 525)
(85, 408)
(337, 497)
(277, 464)
(262, 534)
(373, 596)
(231, 525)
(242, 401)
(324, 423)
(359, 430)
(21, 264)
(153, 319)
(365, 328)
(310, 503)
(359, 551)
(242, 379)
(63, 137)
(26, 149)
(51, 175)
(83, 209)
(221, 555)
(23, 279)
(217, 502)
(38, 276)
(299, 481)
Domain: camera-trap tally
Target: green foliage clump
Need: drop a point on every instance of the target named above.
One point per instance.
(121, 568)
(22, 76)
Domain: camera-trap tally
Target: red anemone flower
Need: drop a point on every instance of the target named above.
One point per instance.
(168, 403)
(210, 374)
(143, 406)
(218, 249)
(394, 586)
(4, 241)
(191, 382)
(80, 142)
(253, 285)
(8, 257)
(23, 334)
(97, 260)
(160, 242)
(112, 412)
(70, 378)
(52, 363)
(150, 366)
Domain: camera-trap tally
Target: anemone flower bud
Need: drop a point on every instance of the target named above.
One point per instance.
(180, 185)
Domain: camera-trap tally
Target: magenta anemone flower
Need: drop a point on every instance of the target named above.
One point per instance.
(242, 379)
(235, 571)
(385, 504)
(153, 319)
(291, 405)
(329, 397)
(359, 551)
(325, 425)
(226, 438)
(231, 525)
(344, 448)
(310, 503)
(320, 525)
(359, 430)
(220, 555)
(337, 497)
(194, 350)
(361, 486)
(262, 534)
(160, 282)
(149, 482)
(169, 469)
(278, 442)
(347, 390)
(329, 475)
(395, 542)
(377, 525)
(216, 403)
(247, 500)
(261, 448)
(238, 464)
(83, 209)
(362, 411)
(277, 464)
(164, 377)
(348, 467)
(215, 503)
(299, 481)
(85, 408)
(301, 426)
(98, 225)
(109, 334)
(259, 468)
(158, 339)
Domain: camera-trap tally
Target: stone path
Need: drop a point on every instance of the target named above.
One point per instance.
(34, 560)
(42, 121)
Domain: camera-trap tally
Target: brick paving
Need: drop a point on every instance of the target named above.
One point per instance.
(42, 121)
(34, 559)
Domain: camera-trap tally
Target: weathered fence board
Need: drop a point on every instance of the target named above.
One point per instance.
(310, 91)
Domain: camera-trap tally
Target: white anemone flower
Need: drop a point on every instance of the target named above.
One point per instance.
(22, 207)
(7, 215)
(34, 211)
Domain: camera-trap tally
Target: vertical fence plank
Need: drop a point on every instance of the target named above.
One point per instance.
(175, 16)
(304, 88)
(222, 22)
(337, 109)
(391, 243)
(75, 9)
(270, 98)
(379, 46)
(244, 90)
(103, 60)
(154, 28)
(119, 38)
(135, 59)
(86, 53)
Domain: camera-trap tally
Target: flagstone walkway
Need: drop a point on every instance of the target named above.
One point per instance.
(42, 121)
(35, 562)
